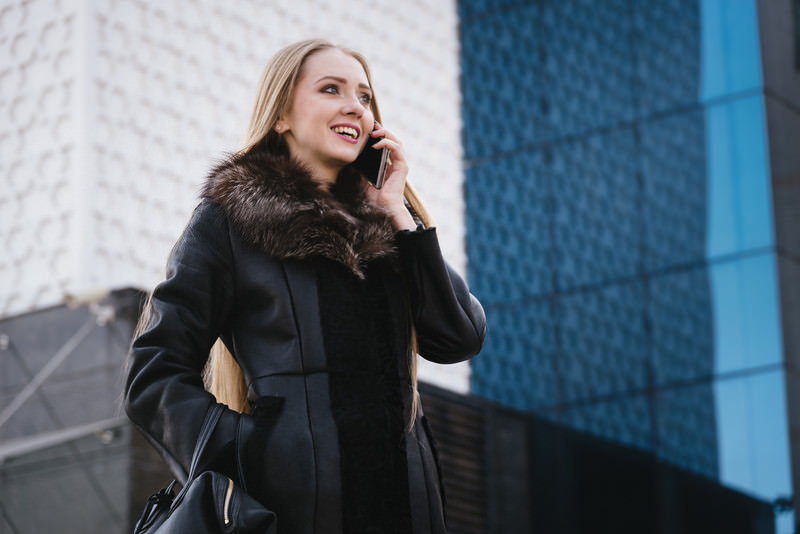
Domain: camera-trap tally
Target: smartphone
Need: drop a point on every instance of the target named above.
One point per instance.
(372, 163)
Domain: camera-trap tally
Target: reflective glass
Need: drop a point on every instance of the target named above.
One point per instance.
(602, 342)
(518, 365)
(672, 161)
(508, 224)
(679, 308)
(739, 203)
(747, 330)
(596, 220)
(666, 41)
(685, 427)
(729, 47)
(625, 420)
(753, 434)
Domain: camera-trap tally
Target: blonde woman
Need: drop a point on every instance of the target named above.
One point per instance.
(316, 291)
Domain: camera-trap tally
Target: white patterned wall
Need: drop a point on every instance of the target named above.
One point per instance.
(112, 111)
(37, 153)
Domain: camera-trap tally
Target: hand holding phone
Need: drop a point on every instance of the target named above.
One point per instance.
(372, 163)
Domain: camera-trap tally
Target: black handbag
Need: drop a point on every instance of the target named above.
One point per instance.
(209, 502)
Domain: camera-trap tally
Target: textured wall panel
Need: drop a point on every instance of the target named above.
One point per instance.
(586, 211)
(673, 163)
(596, 223)
(587, 63)
(37, 149)
(685, 437)
(510, 203)
(519, 366)
(499, 118)
(667, 56)
(602, 342)
(682, 330)
(625, 420)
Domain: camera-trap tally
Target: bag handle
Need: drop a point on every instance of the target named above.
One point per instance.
(209, 423)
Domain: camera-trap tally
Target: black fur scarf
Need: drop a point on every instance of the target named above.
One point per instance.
(276, 206)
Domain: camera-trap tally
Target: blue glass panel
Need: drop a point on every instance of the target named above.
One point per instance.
(740, 208)
(682, 328)
(508, 227)
(602, 341)
(674, 204)
(785, 521)
(542, 71)
(686, 428)
(747, 331)
(516, 366)
(626, 420)
(730, 47)
(587, 65)
(753, 434)
(502, 83)
(666, 49)
(468, 9)
(596, 225)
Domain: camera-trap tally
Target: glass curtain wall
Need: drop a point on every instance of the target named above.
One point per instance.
(620, 228)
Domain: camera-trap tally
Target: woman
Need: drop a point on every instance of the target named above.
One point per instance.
(320, 288)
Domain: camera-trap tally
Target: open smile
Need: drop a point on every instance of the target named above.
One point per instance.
(348, 133)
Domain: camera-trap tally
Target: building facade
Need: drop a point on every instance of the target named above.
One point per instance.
(629, 185)
(618, 179)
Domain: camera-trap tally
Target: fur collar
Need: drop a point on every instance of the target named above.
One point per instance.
(275, 205)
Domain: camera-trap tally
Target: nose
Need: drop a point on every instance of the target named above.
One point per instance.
(353, 106)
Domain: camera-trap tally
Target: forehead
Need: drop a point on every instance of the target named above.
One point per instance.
(333, 62)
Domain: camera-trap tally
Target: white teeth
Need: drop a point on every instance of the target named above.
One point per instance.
(346, 130)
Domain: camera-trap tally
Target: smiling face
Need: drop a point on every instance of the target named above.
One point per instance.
(329, 117)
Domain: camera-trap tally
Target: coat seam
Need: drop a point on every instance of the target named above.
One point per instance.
(301, 346)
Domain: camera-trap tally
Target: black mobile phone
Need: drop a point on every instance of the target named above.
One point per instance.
(372, 163)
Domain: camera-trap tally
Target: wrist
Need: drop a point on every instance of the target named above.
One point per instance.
(401, 218)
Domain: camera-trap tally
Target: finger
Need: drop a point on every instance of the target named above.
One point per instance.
(397, 159)
(391, 144)
(382, 131)
(378, 130)
(378, 127)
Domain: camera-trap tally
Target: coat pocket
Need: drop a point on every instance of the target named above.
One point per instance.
(263, 415)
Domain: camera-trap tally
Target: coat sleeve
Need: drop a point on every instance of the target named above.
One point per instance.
(449, 320)
(164, 393)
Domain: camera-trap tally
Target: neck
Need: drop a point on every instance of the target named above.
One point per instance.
(324, 176)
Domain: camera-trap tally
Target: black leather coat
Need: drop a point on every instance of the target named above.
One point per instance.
(244, 271)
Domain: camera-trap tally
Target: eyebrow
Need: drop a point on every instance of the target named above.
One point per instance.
(342, 80)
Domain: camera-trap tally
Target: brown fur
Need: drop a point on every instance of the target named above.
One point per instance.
(276, 206)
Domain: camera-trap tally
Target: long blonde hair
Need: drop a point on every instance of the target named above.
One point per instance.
(223, 376)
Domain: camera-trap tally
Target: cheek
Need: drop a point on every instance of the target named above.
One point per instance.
(368, 120)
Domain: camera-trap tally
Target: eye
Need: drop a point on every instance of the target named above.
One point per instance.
(366, 99)
(331, 89)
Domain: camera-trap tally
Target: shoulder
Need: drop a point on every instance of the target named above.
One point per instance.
(208, 220)
(206, 236)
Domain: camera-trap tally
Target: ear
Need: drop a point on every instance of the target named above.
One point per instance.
(280, 126)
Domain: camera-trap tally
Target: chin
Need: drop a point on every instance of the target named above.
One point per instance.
(347, 159)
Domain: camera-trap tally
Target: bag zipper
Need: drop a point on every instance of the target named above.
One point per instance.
(226, 508)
